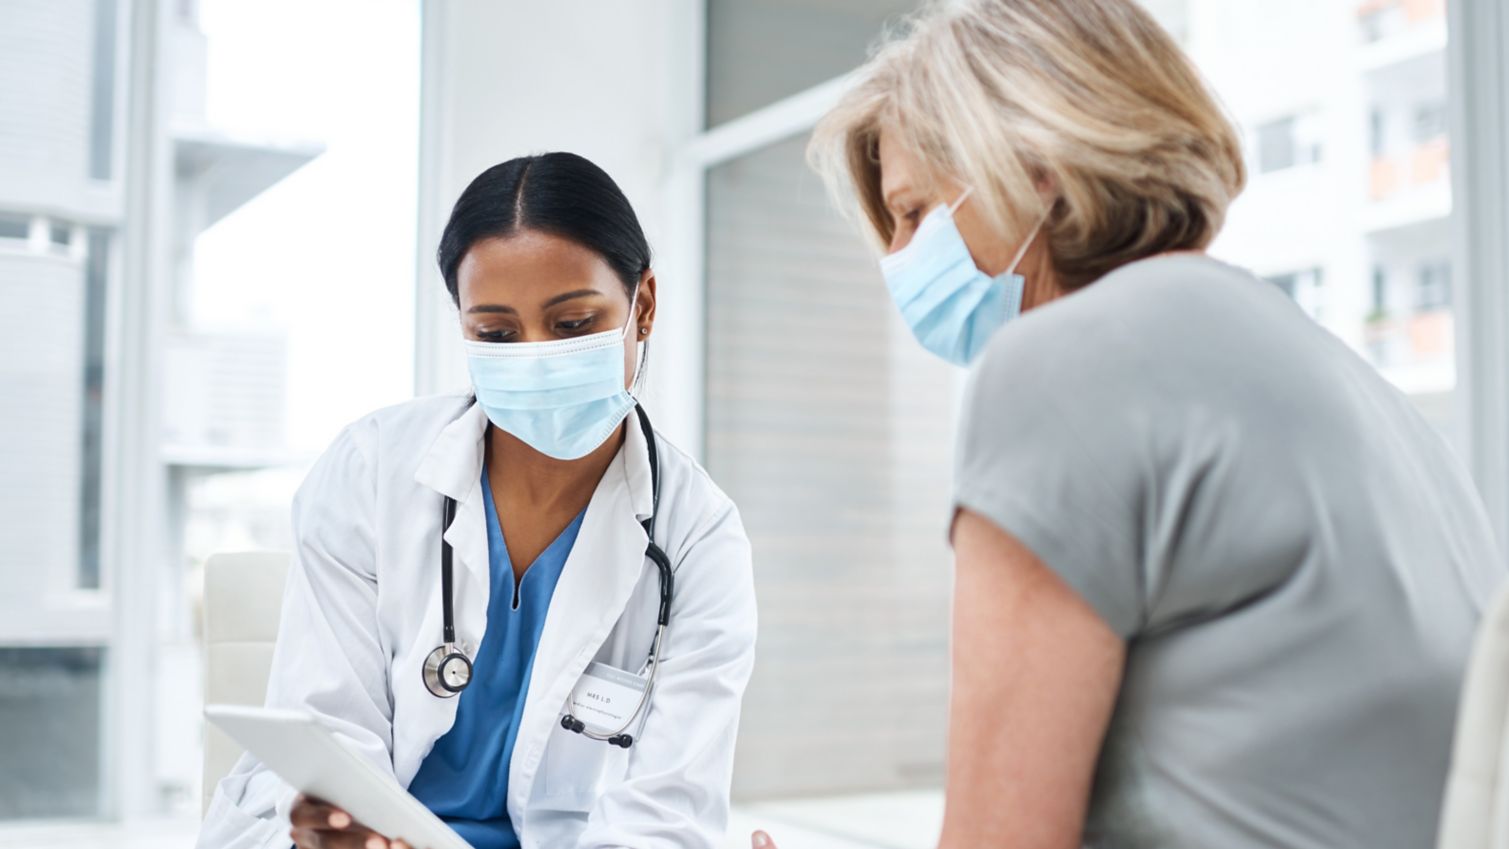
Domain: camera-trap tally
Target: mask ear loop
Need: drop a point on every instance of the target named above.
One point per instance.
(959, 201)
(633, 307)
(1022, 251)
(638, 358)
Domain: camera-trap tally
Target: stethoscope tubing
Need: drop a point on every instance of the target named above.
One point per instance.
(434, 678)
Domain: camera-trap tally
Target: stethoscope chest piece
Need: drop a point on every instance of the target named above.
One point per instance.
(447, 671)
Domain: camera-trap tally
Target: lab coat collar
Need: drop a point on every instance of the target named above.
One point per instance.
(637, 475)
(453, 464)
(453, 467)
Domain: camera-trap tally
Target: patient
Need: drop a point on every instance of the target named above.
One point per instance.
(1216, 579)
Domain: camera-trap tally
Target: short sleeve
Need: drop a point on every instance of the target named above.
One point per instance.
(1049, 452)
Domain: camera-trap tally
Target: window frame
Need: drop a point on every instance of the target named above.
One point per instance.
(702, 149)
(1478, 98)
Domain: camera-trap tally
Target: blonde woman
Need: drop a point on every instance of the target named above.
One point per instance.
(1216, 579)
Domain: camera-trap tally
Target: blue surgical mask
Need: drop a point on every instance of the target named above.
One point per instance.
(951, 306)
(563, 398)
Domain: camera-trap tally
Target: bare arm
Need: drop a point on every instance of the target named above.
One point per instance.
(1035, 678)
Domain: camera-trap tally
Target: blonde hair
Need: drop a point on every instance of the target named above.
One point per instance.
(1090, 100)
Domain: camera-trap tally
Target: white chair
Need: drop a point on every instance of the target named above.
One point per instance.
(1475, 814)
(243, 598)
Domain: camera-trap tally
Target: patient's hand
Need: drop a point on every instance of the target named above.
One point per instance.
(317, 825)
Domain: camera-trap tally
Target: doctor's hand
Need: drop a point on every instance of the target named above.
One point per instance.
(317, 825)
(761, 840)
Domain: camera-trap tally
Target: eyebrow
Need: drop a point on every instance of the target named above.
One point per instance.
(562, 298)
(579, 293)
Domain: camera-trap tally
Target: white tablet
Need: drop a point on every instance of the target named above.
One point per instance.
(316, 762)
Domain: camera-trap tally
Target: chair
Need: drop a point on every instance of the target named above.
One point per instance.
(243, 598)
(1475, 814)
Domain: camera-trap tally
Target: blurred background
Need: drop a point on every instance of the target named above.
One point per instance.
(217, 224)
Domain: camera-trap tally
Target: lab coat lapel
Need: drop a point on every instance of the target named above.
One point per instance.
(453, 467)
(600, 574)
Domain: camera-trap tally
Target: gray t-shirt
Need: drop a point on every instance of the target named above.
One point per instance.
(1295, 557)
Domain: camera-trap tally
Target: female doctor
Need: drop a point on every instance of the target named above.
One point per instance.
(561, 519)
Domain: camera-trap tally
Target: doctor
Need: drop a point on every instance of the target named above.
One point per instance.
(564, 520)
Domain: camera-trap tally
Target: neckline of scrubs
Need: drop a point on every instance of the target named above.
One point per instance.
(496, 542)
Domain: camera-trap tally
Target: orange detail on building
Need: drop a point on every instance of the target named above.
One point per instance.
(1383, 178)
(1430, 334)
(1430, 161)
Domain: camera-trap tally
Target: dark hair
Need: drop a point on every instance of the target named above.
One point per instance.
(557, 193)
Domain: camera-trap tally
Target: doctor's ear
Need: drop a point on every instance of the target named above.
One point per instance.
(644, 306)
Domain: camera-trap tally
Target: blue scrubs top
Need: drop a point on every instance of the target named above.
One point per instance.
(464, 778)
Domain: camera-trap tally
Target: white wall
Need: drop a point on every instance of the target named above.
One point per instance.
(606, 79)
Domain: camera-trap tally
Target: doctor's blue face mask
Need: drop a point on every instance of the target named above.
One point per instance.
(951, 306)
(564, 397)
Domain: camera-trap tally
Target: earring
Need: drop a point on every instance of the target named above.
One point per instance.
(644, 331)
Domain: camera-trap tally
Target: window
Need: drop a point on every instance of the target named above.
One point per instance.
(759, 51)
(1377, 19)
(102, 92)
(869, 433)
(14, 227)
(1276, 145)
(248, 363)
(1433, 290)
(1360, 94)
(1305, 288)
(1430, 122)
(53, 628)
(56, 623)
(1287, 142)
(100, 497)
(1380, 292)
(50, 723)
(91, 407)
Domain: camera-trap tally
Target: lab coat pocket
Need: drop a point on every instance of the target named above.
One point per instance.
(577, 770)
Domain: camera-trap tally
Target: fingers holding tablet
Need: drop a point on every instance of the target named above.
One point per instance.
(320, 825)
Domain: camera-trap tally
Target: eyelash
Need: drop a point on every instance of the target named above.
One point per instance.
(574, 325)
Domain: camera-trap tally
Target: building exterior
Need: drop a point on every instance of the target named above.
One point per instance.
(115, 402)
(1348, 208)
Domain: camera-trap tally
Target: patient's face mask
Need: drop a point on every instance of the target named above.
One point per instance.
(951, 306)
(563, 398)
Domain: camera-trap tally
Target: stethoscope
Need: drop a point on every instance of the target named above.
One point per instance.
(447, 669)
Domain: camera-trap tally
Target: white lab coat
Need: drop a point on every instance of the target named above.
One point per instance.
(363, 608)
